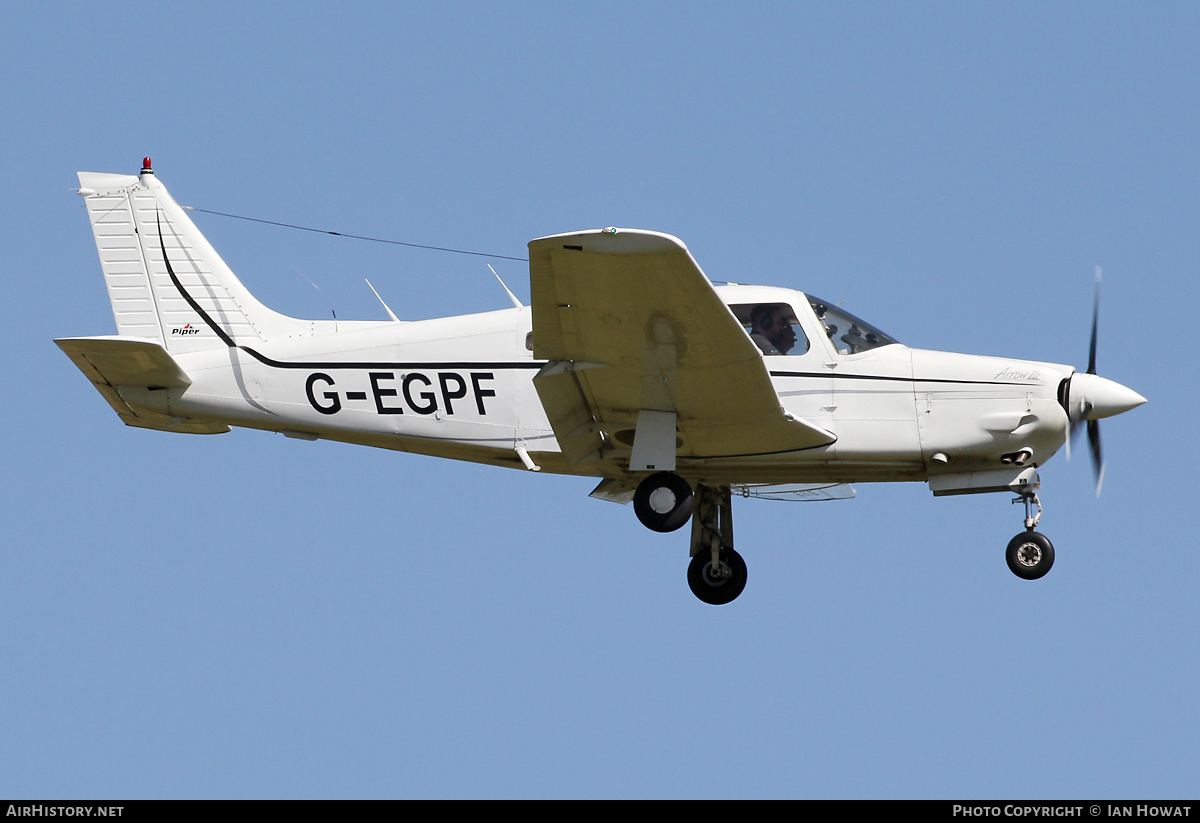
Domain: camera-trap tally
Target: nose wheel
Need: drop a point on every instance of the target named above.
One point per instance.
(1030, 554)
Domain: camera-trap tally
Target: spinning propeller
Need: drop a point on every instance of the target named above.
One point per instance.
(1090, 397)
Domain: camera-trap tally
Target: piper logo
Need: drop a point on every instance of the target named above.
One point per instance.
(188, 329)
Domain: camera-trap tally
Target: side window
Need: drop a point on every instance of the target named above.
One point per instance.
(773, 327)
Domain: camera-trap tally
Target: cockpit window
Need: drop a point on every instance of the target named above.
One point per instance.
(848, 334)
(773, 327)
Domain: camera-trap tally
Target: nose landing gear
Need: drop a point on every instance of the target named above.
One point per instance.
(1030, 554)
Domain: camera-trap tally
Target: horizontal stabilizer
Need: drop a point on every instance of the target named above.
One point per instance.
(116, 363)
(124, 361)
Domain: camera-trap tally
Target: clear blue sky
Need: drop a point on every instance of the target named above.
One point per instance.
(251, 616)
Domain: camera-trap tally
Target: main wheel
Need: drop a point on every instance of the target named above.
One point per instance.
(1030, 555)
(717, 586)
(663, 502)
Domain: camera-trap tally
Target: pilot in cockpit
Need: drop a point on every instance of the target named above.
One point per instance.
(771, 328)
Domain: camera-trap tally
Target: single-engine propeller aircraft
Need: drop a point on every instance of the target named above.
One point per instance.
(629, 366)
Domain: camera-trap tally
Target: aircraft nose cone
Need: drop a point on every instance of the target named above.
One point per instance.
(1098, 397)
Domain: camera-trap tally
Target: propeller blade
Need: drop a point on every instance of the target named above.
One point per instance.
(1091, 369)
(1093, 430)
(1074, 424)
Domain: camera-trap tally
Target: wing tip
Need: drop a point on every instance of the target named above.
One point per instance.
(612, 240)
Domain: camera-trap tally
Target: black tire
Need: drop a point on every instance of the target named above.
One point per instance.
(663, 502)
(1030, 555)
(717, 591)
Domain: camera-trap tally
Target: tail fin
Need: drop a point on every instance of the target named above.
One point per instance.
(165, 281)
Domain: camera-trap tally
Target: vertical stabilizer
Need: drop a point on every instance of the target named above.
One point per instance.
(143, 237)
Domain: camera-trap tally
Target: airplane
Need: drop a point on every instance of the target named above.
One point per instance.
(629, 366)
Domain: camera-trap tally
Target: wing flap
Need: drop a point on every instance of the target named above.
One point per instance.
(569, 412)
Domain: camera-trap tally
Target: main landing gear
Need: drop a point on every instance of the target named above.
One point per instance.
(664, 502)
(1030, 554)
(717, 574)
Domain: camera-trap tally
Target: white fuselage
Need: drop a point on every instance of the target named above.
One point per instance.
(462, 387)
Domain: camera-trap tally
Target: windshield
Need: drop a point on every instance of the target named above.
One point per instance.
(848, 334)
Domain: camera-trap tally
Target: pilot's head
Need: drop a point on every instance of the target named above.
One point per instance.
(771, 321)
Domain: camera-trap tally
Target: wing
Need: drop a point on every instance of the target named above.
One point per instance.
(633, 330)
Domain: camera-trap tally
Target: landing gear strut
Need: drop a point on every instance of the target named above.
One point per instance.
(717, 574)
(1030, 554)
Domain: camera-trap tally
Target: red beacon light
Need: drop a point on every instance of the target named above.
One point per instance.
(146, 166)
